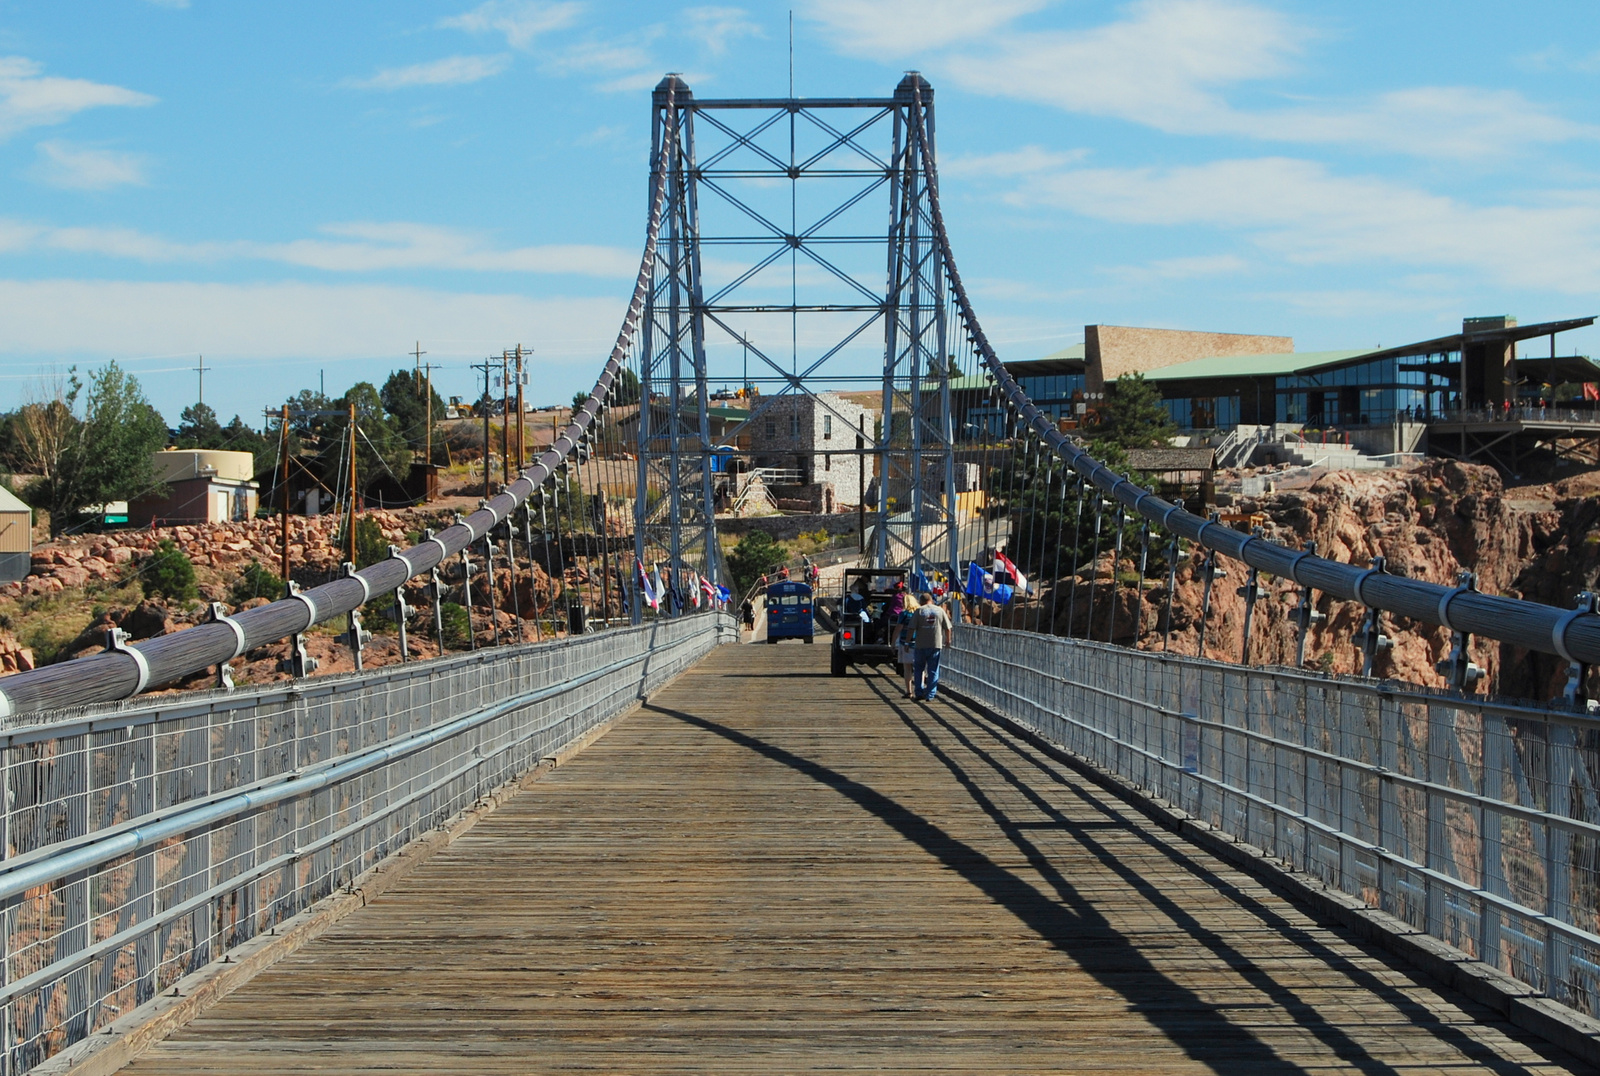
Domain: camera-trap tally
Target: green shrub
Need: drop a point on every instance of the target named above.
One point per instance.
(371, 545)
(256, 581)
(757, 554)
(457, 626)
(169, 574)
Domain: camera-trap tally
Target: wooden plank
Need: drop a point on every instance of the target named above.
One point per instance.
(768, 869)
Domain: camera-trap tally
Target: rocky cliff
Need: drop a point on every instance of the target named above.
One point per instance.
(1431, 521)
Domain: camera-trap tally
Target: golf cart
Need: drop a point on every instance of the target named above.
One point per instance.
(865, 633)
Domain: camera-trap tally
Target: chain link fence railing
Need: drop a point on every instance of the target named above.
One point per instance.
(1474, 821)
(145, 839)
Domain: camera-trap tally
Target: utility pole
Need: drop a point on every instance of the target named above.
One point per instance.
(283, 487)
(201, 370)
(427, 405)
(522, 443)
(417, 353)
(505, 418)
(486, 365)
(350, 540)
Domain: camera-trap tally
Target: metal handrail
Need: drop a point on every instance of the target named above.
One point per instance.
(1567, 633)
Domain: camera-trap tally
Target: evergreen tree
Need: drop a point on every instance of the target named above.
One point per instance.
(402, 398)
(380, 450)
(1132, 416)
(308, 420)
(757, 554)
(625, 389)
(198, 428)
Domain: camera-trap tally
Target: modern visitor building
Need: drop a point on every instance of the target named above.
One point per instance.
(1218, 381)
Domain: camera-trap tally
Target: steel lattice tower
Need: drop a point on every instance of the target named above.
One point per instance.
(705, 299)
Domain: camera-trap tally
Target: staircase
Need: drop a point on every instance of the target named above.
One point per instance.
(1335, 457)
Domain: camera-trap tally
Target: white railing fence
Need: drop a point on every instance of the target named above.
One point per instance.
(1474, 821)
(146, 838)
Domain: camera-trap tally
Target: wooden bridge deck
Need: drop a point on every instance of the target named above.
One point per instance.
(771, 870)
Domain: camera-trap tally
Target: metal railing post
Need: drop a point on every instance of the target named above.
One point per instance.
(401, 609)
(1249, 592)
(1305, 614)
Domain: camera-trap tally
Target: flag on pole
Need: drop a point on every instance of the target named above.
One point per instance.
(661, 591)
(647, 593)
(707, 589)
(724, 594)
(694, 591)
(981, 584)
(1005, 564)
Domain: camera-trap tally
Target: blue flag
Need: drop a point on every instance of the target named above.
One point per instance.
(981, 584)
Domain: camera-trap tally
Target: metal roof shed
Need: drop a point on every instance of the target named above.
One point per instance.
(16, 538)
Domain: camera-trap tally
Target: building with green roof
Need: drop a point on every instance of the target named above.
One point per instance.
(1474, 370)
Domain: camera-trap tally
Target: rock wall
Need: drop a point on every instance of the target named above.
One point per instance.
(77, 560)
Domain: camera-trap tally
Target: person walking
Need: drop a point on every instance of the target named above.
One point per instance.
(747, 613)
(932, 635)
(905, 642)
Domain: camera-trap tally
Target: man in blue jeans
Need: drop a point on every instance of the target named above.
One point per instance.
(931, 625)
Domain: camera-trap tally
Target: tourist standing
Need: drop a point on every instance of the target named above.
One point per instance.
(932, 635)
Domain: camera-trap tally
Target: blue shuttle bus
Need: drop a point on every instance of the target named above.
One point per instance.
(789, 612)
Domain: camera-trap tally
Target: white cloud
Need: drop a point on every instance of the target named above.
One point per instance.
(520, 21)
(29, 98)
(718, 27)
(353, 248)
(1161, 65)
(901, 27)
(62, 164)
(1168, 64)
(1191, 268)
(1460, 122)
(119, 318)
(1305, 214)
(450, 71)
(1021, 162)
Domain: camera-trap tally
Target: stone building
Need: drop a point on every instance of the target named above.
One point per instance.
(810, 444)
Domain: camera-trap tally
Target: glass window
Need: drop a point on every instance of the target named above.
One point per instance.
(827, 427)
(791, 599)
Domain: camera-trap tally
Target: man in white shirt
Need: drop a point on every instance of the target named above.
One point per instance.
(932, 627)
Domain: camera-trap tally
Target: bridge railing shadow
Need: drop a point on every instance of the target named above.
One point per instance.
(1069, 919)
(1471, 820)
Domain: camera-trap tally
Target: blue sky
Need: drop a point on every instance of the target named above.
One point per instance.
(299, 189)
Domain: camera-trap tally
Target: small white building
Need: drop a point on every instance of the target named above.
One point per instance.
(203, 485)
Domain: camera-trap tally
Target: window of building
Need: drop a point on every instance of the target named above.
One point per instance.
(794, 424)
(827, 427)
(772, 427)
(827, 461)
